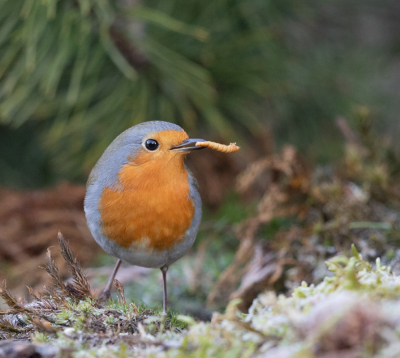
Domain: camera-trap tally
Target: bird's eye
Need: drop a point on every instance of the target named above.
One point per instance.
(151, 144)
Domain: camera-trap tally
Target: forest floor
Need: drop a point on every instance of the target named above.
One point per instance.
(354, 312)
(302, 263)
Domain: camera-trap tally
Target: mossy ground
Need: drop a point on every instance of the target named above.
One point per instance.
(351, 313)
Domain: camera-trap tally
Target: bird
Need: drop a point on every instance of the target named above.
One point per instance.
(142, 203)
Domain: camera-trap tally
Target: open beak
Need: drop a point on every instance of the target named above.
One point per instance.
(188, 145)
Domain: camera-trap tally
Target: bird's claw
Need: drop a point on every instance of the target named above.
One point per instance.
(104, 296)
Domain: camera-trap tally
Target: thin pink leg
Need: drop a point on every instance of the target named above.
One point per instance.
(105, 295)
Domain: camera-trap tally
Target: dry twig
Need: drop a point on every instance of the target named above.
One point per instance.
(80, 287)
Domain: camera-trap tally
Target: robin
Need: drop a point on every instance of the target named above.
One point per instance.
(142, 204)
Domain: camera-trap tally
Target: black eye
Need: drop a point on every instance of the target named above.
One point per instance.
(151, 144)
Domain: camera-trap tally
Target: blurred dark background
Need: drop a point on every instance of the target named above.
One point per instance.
(264, 73)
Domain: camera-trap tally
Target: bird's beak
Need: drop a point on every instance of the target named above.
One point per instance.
(187, 145)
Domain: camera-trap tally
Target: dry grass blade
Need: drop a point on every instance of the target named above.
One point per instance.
(80, 287)
(120, 288)
(54, 272)
(9, 327)
(11, 301)
(18, 307)
(33, 294)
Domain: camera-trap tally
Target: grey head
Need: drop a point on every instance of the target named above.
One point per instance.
(128, 143)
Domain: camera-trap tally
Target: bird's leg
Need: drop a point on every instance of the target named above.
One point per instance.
(164, 270)
(105, 295)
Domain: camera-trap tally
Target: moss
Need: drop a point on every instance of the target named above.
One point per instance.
(350, 311)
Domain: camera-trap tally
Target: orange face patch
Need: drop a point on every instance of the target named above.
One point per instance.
(151, 207)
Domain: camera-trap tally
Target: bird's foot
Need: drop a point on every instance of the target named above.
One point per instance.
(104, 296)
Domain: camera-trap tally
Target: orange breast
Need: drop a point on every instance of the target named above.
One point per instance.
(151, 208)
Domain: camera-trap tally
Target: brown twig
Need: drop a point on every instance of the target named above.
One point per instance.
(120, 288)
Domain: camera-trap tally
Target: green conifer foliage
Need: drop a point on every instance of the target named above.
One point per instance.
(82, 71)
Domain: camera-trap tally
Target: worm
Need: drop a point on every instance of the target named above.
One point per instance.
(219, 147)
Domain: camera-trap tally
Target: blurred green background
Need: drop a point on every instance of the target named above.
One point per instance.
(75, 73)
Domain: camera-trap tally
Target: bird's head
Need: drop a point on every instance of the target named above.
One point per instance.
(164, 146)
(147, 149)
